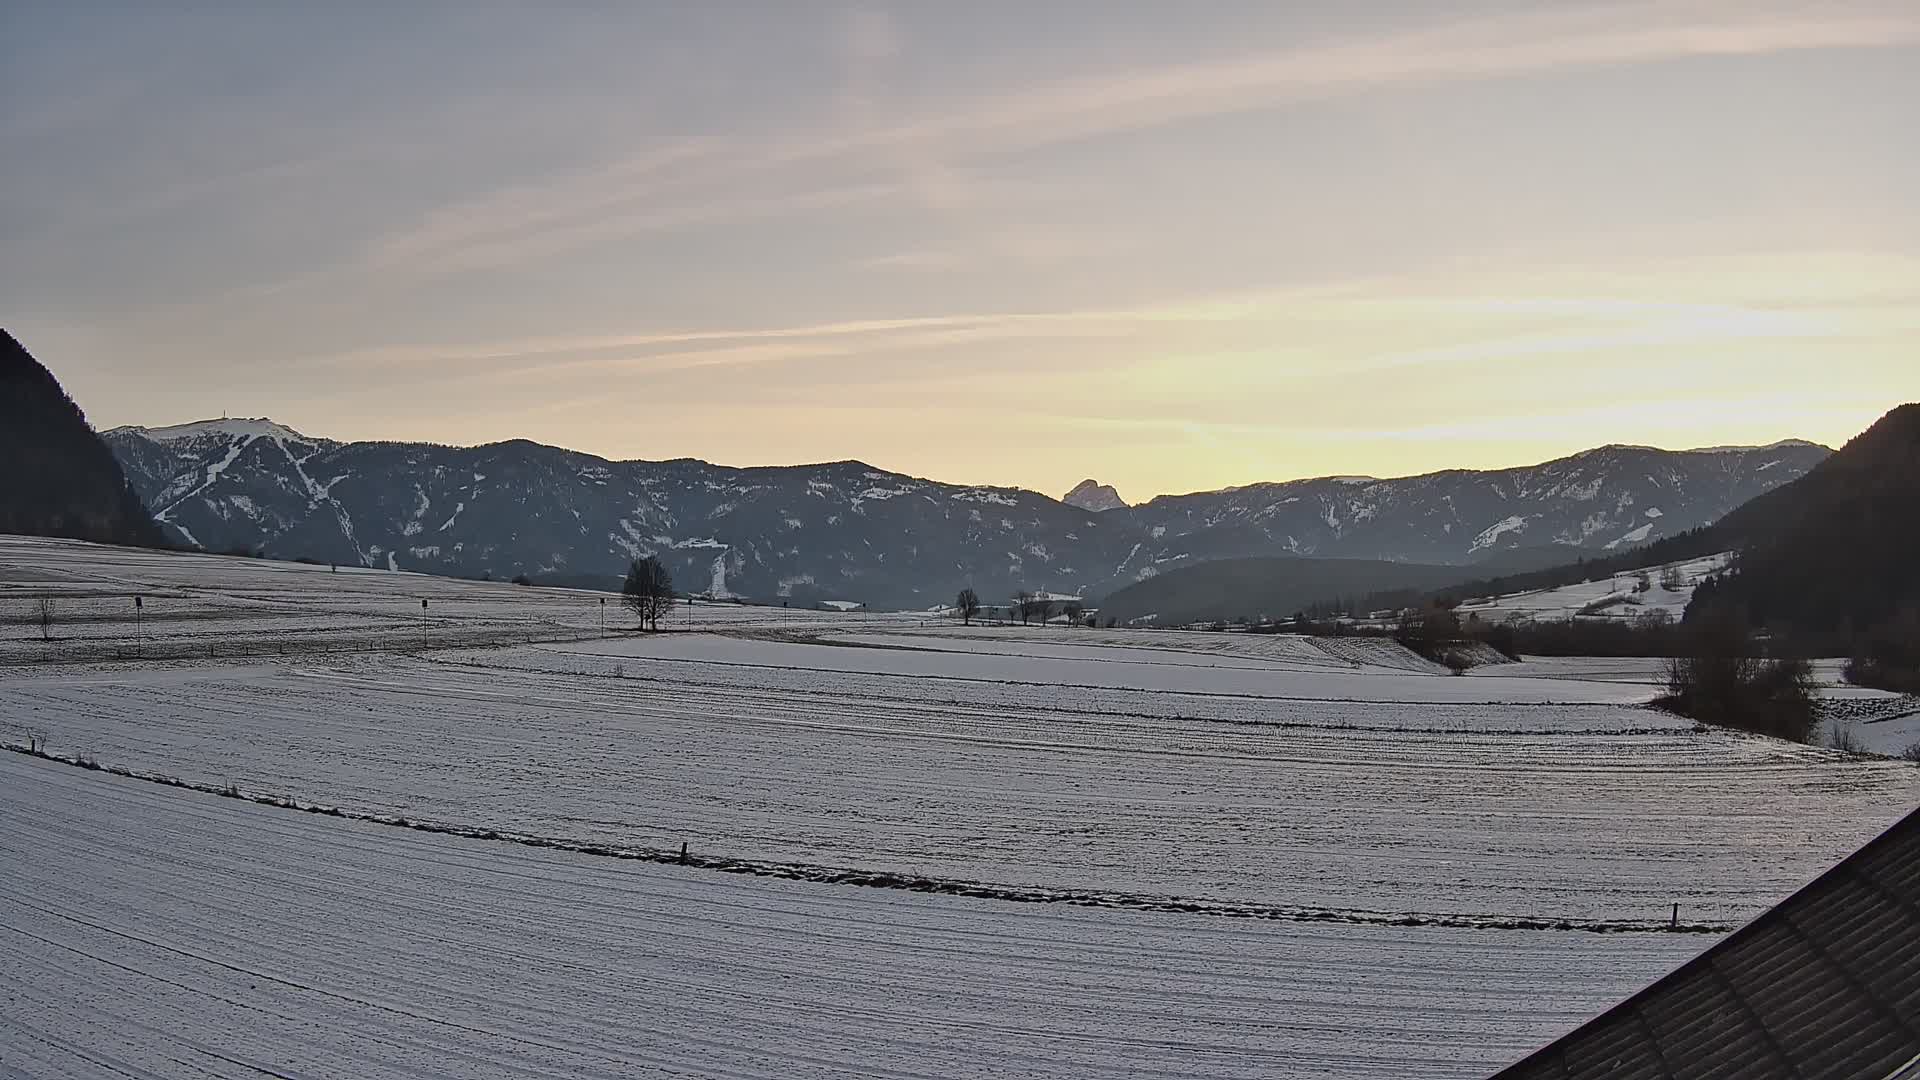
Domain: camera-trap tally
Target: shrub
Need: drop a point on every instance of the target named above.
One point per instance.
(1885, 664)
(1911, 753)
(1768, 697)
(1428, 631)
(1501, 637)
(1845, 737)
(1605, 603)
(1718, 679)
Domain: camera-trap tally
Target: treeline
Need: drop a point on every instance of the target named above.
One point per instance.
(1828, 566)
(62, 480)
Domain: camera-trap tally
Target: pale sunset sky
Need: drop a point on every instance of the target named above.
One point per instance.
(1170, 246)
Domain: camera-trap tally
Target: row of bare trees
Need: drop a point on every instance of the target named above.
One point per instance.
(1027, 606)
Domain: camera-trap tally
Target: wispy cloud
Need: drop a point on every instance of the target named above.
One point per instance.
(916, 155)
(916, 260)
(935, 330)
(1352, 325)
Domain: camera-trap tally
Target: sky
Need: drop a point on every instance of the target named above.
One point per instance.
(1171, 247)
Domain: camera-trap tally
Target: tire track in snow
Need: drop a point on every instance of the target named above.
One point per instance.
(581, 962)
(1016, 792)
(882, 879)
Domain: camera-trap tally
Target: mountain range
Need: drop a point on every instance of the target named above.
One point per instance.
(849, 531)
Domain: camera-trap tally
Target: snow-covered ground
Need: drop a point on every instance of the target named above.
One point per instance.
(1615, 596)
(1131, 669)
(1192, 647)
(158, 933)
(1874, 721)
(193, 605)
(1885, 724)
(788, 754)
(1148, 853)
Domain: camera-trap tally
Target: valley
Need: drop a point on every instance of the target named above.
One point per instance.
(974, 845)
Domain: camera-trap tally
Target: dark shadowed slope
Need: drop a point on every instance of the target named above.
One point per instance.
(1252, 588)
(1833, 553)
(56, 477)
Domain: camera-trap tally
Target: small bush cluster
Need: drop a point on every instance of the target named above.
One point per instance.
(1845, 738)
(1719, 681)
(1890, 662)
(1769, 697)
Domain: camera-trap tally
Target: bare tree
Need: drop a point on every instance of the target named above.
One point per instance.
(1073, 611)
(967, 605)
(648, 591)
(44, 612)
(1023, 600)
(1672, 579)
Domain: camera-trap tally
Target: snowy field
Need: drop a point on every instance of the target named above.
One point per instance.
(194, 605)
(1615, 597)
(153, 932)
(1291, 801)
(1083, 853)
(1123, 669)
(1875, 721)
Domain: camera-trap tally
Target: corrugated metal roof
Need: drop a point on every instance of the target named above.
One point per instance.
(1825, 985)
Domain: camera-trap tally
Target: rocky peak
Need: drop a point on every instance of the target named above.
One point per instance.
(1095, 496)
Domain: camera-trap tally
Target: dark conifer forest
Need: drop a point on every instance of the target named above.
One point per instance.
(60, 479)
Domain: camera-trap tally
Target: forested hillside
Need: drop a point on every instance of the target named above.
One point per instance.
(59, 478)
(1832, 560)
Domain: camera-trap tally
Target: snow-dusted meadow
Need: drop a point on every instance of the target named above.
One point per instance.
(153, 932)
(199, 606)
(1083, 853)
(1613, 597)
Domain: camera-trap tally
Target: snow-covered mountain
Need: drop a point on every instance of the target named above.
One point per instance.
(1095, 496)
(1605, 499)
(848, 531)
